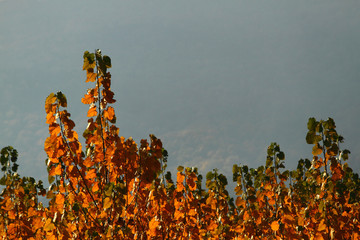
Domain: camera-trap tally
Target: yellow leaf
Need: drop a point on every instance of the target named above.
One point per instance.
(275, 225)
(88, 60)
(107, 203)
(316, 149)
(49, 226)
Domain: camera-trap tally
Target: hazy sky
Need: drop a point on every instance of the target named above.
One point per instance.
(217, 81)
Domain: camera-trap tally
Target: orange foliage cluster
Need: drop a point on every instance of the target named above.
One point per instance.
(117, 189)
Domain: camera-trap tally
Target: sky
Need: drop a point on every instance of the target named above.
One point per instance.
(216, 81)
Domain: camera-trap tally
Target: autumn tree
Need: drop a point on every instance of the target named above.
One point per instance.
(115, 188)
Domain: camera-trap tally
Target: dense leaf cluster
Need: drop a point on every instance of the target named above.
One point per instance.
(117, 189)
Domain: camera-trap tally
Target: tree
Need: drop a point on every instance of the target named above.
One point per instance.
(114, 188)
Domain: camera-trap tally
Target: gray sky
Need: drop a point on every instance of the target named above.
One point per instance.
(217, 81)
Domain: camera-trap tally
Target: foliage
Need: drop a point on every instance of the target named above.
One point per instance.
(117, 189)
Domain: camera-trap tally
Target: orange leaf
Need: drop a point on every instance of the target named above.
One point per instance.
(180, 182)
(109, 113)
(88, 98)
(50, 118)
(58, 170)
(31, 212)
(288, 219)
(318, 236)
(191, 184)
(95, 187)
(88, 162)
(54, 129)
(90, 75)
(321, 226)
(59, 200)
(91, 174)
(11, 214)
(92, 111)
(49, 101)
(191, 212)
(271, 201)
(240, 202)
(301, 221)
(55, 170)
(275, 225)
(212, 226)
(153, 224)
(178, 215)
(246, 216)
(37, 223)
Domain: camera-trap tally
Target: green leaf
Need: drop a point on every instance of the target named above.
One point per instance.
(168, 176)
(223, 179)
(310, 137)
(3, 180)
(51, 179)
(307, 163)
(294, 174)
(269, 161)
(76, 207)
(276, 147)
(180, 168)
(327, 143)
(89, 60)
(14, 168)
(210, 176)
(14, 155)
(62, 99)
(311, 124)
(345, 154)
(260, 169)
(235, 168)
(109, 190)
(330, 123)
(281, 155)
(107, 61)
(270, 150)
